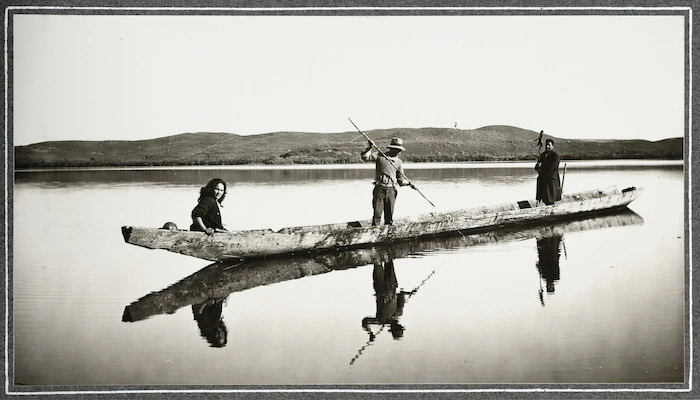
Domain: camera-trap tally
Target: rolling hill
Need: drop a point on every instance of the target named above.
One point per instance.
(489, 143)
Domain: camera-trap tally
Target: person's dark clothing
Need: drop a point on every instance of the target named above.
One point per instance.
(383, 201)
(548, 182)
(208, 210)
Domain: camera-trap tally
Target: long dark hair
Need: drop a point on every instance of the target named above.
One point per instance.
(209, 189)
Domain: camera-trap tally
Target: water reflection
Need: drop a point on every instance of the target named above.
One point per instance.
(211, 325)
(170, 177)
(207, 289)
(390, 304)
(478, 172)
(548, 253)
(176, 177)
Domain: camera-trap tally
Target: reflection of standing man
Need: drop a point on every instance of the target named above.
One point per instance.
(548, 263)
(547, 167)
(389, 302)
(211, 326)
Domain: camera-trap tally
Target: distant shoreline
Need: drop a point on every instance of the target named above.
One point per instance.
(408, 165)
(427, 145)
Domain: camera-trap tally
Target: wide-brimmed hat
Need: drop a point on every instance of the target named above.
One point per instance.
(396, 143)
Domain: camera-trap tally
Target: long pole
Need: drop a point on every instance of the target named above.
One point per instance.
(390, 162)
(369, 342)
(562, 178)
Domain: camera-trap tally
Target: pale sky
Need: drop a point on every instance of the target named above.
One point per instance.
(143, 76)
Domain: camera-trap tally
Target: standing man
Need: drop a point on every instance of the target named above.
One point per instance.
(387, 176)
(547, 167)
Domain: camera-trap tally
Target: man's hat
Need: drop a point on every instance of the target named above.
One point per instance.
(396, 143)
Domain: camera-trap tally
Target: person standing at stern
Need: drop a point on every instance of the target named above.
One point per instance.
(206, 216)
(388, 176)
(548, 182)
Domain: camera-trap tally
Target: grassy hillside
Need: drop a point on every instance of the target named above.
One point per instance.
(490, 143)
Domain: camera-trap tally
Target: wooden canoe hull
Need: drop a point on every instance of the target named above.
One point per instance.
(219, 280)
(266, 242)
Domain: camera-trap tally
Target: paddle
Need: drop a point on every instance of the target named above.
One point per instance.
(390, 162)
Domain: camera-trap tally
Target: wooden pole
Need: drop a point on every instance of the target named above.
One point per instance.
(562, 179)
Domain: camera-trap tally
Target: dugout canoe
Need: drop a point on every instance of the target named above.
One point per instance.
(312, 238)
(220, 280)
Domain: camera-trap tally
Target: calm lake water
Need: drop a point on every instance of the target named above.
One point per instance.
(598, 300)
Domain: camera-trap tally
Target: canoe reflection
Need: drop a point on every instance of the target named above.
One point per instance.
(206, 289)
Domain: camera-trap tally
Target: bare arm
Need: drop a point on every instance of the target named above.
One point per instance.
(366, 154)
(401, 177)
(200, 223)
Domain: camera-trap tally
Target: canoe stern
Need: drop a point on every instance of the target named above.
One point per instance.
(126, 232)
